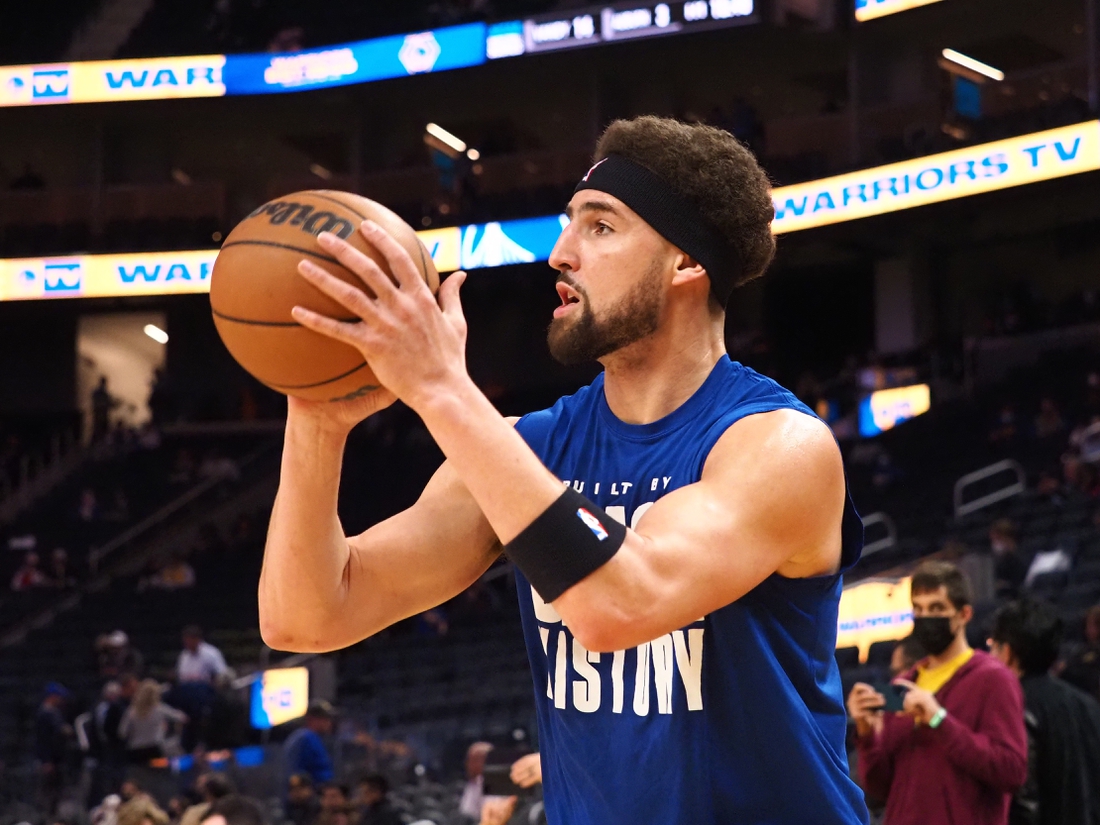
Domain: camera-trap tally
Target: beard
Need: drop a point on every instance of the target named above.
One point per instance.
(584, 337)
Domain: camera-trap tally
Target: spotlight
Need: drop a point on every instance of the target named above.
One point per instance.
(960, 59)
(156, 333)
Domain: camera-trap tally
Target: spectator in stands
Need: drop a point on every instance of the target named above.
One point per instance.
(1082, 667)
(60, 576)
(146, 724)
(139, 808)
(108, 749)
(497, 810)
(211, 787)
(302, 805)
(117, 656)
(336, 807)
(102, 404)
(1063, 724)
(29, 576)
(200, 669)
(372, 799)
(87, 509)
(1048, 422)
(1010, 568)
(473, 794)
(199, 661)
(907, 653)
(1006, 428)
(304, 750)
(235, 810)
(958, 750)
(174, 574)
(52, 735)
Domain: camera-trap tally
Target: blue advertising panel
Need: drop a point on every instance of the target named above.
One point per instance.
(510, 242)
(362, 62)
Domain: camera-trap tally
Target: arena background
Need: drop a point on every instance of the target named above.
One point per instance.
(939, 237)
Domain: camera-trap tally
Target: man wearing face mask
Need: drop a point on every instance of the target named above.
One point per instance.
(958, 749)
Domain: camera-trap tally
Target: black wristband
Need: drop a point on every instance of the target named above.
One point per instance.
(569, 541)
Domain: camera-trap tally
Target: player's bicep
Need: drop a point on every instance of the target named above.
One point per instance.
(420, 557)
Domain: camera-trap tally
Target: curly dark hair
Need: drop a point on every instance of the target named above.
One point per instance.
(711, 169)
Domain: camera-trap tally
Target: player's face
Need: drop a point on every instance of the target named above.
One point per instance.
(612, 269)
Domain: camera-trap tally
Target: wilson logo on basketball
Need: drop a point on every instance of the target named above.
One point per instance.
(304, 217)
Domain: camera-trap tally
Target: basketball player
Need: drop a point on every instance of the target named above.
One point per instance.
(679, 527)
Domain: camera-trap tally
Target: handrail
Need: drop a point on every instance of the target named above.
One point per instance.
(98, 554)
(290, 661)
(51, 472)
(1014, 489)
(885, 543)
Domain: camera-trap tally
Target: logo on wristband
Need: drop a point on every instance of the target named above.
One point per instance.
(593, 523)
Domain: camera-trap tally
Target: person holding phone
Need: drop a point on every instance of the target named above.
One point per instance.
(957, 749)
(524, 774)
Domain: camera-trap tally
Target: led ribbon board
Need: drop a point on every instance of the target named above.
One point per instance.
(987, 167)
(101, 81)
(279, 696)
(362, 62)
(478, 246)
(243, 74)
(874, 611)
(606, 24)
(870, 9)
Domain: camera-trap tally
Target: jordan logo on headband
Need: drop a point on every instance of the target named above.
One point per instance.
(593, 169)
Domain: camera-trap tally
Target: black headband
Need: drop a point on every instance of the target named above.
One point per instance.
(674, 217)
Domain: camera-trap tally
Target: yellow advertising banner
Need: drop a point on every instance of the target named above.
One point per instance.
(102, 81)
(151, 273)
(988, 167)
(874, 611)
(870, 9)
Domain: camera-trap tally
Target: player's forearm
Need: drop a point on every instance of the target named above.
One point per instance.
(302, 583)
(507, 480)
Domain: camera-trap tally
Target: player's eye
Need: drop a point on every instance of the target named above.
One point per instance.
(601, 228)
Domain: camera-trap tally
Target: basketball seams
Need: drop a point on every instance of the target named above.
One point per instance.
(291, 247)
(261, 293)
(319, 383)
(256, 323)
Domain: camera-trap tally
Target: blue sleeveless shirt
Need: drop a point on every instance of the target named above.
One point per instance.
(736, 719)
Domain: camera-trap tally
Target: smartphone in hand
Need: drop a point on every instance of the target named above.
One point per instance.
(895, 696)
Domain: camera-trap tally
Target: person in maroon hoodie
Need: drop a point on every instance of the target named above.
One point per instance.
(958, 749)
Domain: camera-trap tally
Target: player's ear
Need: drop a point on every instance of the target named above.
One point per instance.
(687, 270)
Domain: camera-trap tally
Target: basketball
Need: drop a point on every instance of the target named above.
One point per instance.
(255, 283)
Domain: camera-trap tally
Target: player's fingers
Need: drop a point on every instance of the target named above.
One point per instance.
(402, 266)
(449, 300)
(349, 296)
(372, 276)
(905, 683)
(348, 333)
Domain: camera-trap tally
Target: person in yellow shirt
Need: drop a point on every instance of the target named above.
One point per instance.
(958, 749)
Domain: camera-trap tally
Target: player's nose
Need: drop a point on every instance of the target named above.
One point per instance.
(563, 257)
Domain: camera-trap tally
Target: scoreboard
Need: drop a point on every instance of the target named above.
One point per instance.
(607, 24)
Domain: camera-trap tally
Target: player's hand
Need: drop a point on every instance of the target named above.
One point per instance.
(527, 770)
(414, 344)
(497, 810)
(918, 703)
(340, 417)
(865, 707)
